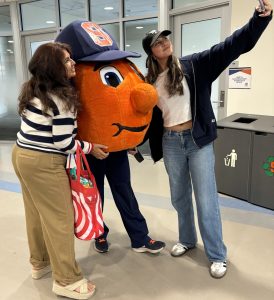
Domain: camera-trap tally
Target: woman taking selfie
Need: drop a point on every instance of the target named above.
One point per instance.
(183, 129)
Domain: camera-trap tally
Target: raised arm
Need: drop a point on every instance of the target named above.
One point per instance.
(218, 57)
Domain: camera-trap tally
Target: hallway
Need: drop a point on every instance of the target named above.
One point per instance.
(125, 275)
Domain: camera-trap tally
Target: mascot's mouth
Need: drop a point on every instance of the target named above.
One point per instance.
(132, 129)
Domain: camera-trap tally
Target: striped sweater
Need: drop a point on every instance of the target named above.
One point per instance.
(54, 133)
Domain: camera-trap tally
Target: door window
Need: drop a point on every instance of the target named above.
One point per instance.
(198, 36)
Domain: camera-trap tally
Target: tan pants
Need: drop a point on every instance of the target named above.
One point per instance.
(49, 212)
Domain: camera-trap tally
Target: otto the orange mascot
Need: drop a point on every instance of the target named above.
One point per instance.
(116, 111)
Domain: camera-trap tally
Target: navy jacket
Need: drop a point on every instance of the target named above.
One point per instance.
(200, 70)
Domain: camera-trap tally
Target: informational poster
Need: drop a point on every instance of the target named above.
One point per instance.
(240, 78)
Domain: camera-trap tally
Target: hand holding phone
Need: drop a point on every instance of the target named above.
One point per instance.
(261, 4)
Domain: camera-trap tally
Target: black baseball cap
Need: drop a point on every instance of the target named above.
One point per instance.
(151, 38)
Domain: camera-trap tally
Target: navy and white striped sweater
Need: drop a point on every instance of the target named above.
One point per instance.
(54, 133)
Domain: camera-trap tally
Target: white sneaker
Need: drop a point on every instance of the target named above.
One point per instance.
(178, 250)
(218, 269)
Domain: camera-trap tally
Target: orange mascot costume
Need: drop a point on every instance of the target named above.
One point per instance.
(116, 111)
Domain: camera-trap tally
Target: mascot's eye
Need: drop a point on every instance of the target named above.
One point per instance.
(111, 76)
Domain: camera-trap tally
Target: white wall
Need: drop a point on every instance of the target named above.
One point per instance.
(260, 98)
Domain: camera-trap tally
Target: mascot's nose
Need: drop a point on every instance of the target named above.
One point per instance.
(143, 97)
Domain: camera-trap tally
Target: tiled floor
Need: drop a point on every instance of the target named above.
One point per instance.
(125, 275)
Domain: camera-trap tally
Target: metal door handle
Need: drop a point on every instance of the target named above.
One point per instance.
(222, 99)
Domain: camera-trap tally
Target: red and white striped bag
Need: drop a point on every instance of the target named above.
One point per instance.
(88, 219)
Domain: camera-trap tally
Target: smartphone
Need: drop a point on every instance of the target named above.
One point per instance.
(138, 156)
(262, 7)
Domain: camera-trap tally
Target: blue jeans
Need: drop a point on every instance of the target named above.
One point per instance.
(186, 163)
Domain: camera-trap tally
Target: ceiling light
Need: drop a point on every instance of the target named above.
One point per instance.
(127, 45)
(11, 42)
(50, 22)
(108, 8)
(139, 27)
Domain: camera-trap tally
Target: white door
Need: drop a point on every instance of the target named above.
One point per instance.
(197, 31)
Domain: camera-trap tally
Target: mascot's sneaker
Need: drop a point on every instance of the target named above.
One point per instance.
(151, 246)
(101, 245)
(218, 269)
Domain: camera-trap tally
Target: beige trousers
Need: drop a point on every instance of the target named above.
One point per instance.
(49, 212)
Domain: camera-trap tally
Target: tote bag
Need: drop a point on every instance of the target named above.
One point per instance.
(88, 219)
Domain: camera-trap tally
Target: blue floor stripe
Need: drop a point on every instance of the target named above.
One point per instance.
(161, 201)
(10, 186)
(244, 205)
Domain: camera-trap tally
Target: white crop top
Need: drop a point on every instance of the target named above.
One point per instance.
(176, 109)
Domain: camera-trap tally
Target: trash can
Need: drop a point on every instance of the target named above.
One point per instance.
(232, 161)
(244, 152)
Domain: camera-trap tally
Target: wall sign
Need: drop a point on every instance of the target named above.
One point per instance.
(240, 78)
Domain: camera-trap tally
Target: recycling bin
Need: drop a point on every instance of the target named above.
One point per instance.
(244, 152)
(262, 176)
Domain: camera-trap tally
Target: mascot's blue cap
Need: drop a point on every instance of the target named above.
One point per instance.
(90, 42)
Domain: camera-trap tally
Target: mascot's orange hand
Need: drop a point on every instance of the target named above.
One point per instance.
(99, 151)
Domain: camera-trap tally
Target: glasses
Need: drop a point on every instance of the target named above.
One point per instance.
(160, 41)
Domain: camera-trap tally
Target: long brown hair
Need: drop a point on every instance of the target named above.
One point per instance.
(48, 77)
(174, 75)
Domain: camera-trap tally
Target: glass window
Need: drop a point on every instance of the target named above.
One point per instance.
(104, 10)
(140, 7)
(72, 10)
(38, 14)
(9, 119)
(5, 20)
(134, 33)
(198, 36)
(32, 42)
(35, 45)
(113, 29)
